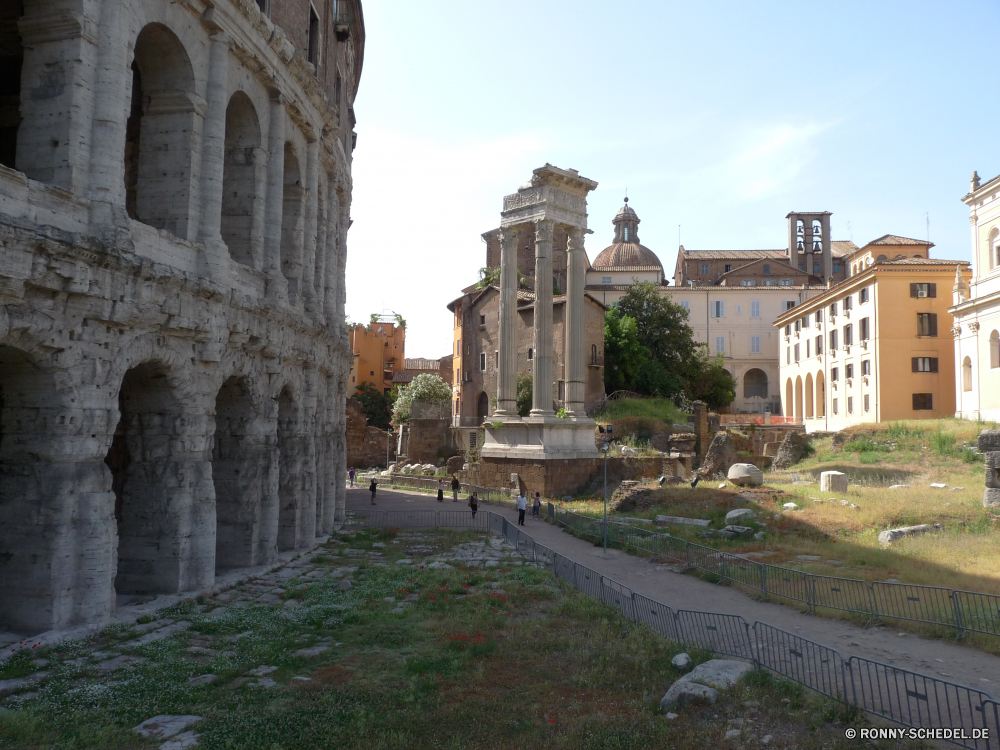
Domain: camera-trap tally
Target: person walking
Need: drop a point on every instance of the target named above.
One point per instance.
(373, 486)
(522, 506)
(537, 507)
(455, 487)
(351, 475)
(440, 490)
(474, 504)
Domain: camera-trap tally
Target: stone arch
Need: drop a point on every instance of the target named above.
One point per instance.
(151, 483)
(993, 243)
(160, 133)
(967, 374)
(808, 394)
(799, 410)
(755, 383)
(243, 174)
(995, 349)
(240, 474)
(789, 409)
(29, 404)
(820, 394)
(292, 221)
(482, 406)
(11, 61)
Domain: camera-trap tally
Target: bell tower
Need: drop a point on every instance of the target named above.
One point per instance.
(809, 247)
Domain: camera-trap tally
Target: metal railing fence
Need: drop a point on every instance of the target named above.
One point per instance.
(902, 696)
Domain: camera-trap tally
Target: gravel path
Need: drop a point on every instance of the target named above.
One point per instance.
(944, 659)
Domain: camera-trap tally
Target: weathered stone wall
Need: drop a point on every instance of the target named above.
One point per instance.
(430, 433)
(563, 477)
(173, 360)
(366, 446)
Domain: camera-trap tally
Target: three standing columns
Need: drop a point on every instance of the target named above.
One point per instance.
(541, 386)
(576, 271)
(507, 375)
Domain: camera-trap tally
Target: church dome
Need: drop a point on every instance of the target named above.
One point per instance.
(626, 252)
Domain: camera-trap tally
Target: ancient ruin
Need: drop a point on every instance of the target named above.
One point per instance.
(174, 206)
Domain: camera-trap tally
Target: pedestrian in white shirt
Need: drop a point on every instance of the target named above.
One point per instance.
(522, 506)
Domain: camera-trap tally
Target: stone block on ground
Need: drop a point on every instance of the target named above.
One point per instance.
(682, 692)
(681, 521)
(745, 475)
(790, 506)
(989, 440)
(182, 741)
(833, 481)
(735, 532)
(740, 514)
(681, 661)
(791, 450)
(718, 673)
(163, 726)
(991, 497)
(889, 536)
(721, 455)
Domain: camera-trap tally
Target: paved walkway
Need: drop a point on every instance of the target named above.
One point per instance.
(944, 659)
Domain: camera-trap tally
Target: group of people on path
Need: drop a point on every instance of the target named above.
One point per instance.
(522, 507)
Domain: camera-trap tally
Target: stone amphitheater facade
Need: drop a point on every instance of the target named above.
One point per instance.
(174, 205)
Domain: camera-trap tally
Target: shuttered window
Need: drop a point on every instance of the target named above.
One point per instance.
(924, 364)
(923, 401)
(923, 290)
(927, 324)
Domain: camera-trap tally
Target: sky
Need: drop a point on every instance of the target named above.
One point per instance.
(717, 118)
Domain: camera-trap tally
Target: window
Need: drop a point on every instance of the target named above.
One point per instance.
(265, 6)
(720, 344)
(473, 438)
(923, 402)
(847, 302)
(848, 335)
(748, 282)
(808, 348)
(924, 364)
(767, 268)
(833, 309)
(686, 304)
(789, 304)
(755, 344)
(785, 282)
(530, 354)
(819, 345)
(770, 282)
(796, 352)
(866, 367)
(833, 340)
(923, 290)
(313, 37)
(834, 374)
(482, 361)
(850, 404)
(815, 268)
(837, 268)
(863, 333)
(866, 402)
(625, 233)
(805, 321)
(718, 309)
(468, 349)
(819, 317)
(835, 406)
(926, 324)
(458, 347)
(593, 354)
(849, 371)
(798, 325)
(729, 267)
(739, 309)
(605, 279)
(372, 372)
(482, 320)
(967, 374)
(755, 309)
(788, 330)
(863, 296)
(802, 266)
(704, 268)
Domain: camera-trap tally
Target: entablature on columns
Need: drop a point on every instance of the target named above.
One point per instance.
(552, 194)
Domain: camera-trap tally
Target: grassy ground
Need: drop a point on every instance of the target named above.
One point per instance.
(496, 657)
(965, 554)
(644, 408)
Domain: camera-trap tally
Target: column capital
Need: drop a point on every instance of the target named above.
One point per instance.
(544, 229)
(575, 238)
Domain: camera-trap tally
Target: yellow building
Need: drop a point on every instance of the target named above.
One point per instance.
(379, 351)
(877, 346)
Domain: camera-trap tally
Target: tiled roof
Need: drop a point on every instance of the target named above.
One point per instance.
(608, 287)
(922, 262)
(894, 239)
(842, 248)
(627, 256)
(618, 269)
(734, 254)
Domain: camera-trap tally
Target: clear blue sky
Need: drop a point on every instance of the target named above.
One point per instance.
(718, 116)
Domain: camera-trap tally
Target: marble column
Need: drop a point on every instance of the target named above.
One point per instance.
(576, 271)
(507, 375)
(541, 387)
(308, 289)
(213, 152)
(277, 287)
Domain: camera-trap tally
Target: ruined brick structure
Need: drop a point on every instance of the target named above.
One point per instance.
(174, 205)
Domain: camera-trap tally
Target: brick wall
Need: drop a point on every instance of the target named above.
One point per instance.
(365, 445)
(556, 478)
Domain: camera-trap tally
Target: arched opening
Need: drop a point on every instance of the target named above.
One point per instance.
(994, 248)
(28, 405)
(483, 406)
(967, 374)
(238, 473)
(290, 455)
(799, 412)
(995, 349)
(820, 394)
(242, 172)
(788, 405)
(144, 481)
(808, 396)
(160, 133)
(593, 354)
(11, 60)
(755, 383)
(292, 221)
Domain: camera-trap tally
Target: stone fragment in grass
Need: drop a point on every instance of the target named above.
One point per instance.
(991, 497)
(718, 673)
(733, 734)
(740, 514)
(887, 537)
(833, 481)
(989, 440)
(109, 665)
(301, 679)
(264, 682)
(165, 725)
(759, 535)
(148, 626)
(269, 599)
(344, 585)
(790, 506)
(319, 648)
(735, 532)
(291, 603)
(7, 686)
(404, 561)
(680, 521)
(671, 715)
(182, 741)
(808, 558)
(203, 679)
(938, 486)
(745, 475)
(157, 635)
(262, 670)
(683, 692)
(899, 486)
(681, 661)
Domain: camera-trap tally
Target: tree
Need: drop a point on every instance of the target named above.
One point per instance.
(624, 356)
(376, 405)
(524, 393)
(426, 387)
(712, 384)
(490, 276)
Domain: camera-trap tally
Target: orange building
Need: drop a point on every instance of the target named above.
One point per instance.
(379, 351)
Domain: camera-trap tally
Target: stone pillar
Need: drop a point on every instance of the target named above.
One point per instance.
(277, 287)
(576, 272)
(330, 268)
(308, 289)
(213, 152)
(112, 82)
(541, 393)
(507, 375)
(989, 444)
(700, 417)
(827, 246)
